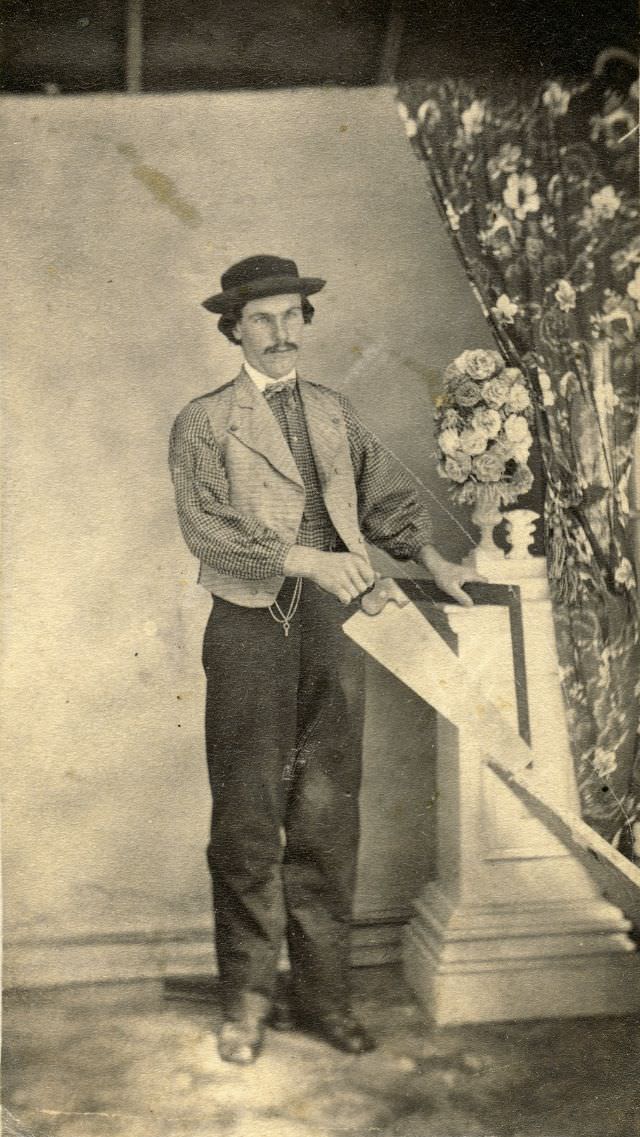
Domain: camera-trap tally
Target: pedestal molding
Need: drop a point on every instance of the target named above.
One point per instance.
(514, 927)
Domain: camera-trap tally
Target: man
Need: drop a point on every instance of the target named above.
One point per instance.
(278, 485)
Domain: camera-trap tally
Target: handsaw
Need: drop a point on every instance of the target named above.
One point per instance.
(618, 877)
(395, 632)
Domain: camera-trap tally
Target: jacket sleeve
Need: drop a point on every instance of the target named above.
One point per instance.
(214, 531)
(390, 512)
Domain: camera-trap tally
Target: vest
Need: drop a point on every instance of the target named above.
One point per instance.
(264, 481)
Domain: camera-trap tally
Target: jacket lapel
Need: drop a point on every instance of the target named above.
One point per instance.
(255, 426)
(325, 426)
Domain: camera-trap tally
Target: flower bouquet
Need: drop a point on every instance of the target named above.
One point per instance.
(483, 441)
(482, 429)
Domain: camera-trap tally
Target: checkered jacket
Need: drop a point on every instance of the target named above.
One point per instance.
(243, 489)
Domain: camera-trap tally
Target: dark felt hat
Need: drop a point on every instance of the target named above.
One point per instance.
(260, 276)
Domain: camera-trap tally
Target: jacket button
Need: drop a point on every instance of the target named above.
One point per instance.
(233, 426)
(335, 420)
(336, 469)
(265, 484)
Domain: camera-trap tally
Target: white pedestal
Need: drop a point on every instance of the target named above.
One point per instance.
(514, 927)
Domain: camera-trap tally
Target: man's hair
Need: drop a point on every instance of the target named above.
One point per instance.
(228, 321)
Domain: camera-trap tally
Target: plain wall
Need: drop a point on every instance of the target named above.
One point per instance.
(121, 213)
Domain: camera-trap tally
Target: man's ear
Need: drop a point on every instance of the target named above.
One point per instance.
(237, 333)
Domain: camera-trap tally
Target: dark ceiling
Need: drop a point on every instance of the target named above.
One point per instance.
(69, 46)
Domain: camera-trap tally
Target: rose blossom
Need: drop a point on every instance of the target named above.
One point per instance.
(513, 375)
(522, 479)
(488, 421)
(468, 393)
(504, 447)
(460, 362)
(516, 428)
(519, 397)
(482, 364)
(502, 450)
(473, 441)
(453, 375)
(469, 361)
(521, 450)
(496, 392)
(458, 469)
(450, 419)
(488, 467)
(449, 441)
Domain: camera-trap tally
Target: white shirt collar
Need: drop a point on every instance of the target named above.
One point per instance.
(263, 381)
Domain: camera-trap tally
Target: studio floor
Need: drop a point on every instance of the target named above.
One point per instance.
(139, 1060)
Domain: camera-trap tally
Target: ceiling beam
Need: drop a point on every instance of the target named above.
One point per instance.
(392, 42)
(134, 47)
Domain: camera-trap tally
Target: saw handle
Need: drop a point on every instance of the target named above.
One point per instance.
(375, 598)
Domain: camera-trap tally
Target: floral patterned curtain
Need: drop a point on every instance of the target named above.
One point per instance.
(539, 191)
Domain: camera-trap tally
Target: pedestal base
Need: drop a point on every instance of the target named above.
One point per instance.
(492, 964)
(515, 926)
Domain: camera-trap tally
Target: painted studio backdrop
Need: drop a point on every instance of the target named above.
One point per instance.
(122, 215)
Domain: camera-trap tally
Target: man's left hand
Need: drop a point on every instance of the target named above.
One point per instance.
(448, 576)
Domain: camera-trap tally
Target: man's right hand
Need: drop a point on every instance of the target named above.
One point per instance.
(344, 575)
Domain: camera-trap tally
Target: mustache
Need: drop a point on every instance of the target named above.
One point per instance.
(281, 347)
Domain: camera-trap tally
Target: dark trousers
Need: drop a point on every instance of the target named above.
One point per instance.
(284, 738)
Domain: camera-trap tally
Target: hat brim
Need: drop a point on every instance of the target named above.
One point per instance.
(266, 286)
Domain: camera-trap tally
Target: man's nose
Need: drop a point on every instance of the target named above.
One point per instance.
(280, 330)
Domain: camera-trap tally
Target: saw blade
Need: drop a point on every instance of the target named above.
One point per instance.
(403, 641)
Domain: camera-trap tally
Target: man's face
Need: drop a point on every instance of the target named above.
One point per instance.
(270, 331)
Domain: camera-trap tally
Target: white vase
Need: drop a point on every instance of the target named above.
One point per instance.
(486, 516)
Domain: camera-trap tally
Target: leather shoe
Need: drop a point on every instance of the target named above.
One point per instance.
(241, 1036)
(343, 1031)
(281, 1016)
